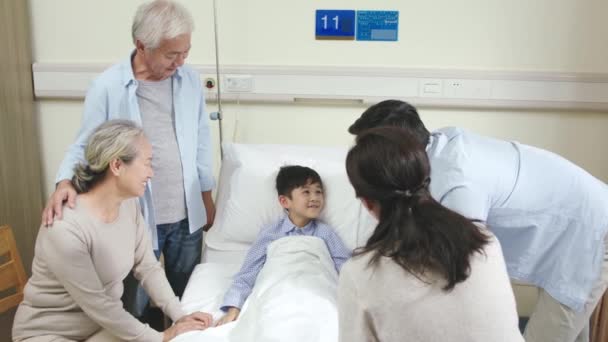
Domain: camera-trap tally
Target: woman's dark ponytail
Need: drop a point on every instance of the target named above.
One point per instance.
(390, 168)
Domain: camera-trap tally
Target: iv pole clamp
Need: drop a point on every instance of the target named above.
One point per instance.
(217, 115)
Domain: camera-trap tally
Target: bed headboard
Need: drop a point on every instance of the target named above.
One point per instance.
(247, 199)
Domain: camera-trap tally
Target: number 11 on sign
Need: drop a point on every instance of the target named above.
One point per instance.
(336, 19)
(335, 24)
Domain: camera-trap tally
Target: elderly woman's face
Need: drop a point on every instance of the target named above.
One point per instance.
(135, 175)
(163, 61)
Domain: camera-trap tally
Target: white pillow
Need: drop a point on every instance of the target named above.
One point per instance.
(247, 199)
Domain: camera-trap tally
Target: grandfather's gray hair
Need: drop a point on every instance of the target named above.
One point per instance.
(158, 20)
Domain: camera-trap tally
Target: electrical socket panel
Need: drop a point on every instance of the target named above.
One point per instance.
(430, 87)
(238, 83)
(467, 89)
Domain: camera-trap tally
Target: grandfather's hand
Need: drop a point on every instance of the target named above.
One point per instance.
(65, 191)
(209, 209)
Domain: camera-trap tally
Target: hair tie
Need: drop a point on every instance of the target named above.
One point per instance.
(409, 193)
(403, 193)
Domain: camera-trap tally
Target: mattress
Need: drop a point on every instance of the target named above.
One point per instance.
(211, 278)
(215, 255)
(206, 287)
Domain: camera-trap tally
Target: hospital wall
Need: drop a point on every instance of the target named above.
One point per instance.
(494, 35)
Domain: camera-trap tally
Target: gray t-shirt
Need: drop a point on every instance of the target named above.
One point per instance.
(155, 99)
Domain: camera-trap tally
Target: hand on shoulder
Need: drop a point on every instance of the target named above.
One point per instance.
(64, 193)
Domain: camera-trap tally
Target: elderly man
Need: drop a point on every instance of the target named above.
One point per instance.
(155, 89)
(550, 216)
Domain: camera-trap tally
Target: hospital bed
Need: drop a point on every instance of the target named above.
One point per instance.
(296, 299)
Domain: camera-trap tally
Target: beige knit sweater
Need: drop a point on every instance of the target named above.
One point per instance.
(388, 304)
(77, 273)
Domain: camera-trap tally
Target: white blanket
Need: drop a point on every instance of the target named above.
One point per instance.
(294, 298)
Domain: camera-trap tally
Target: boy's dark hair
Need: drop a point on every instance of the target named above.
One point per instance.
(388, 166)
(392, 113)
(295, 176)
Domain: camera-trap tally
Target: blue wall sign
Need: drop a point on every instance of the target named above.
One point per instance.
(335, 24)
(377, 25)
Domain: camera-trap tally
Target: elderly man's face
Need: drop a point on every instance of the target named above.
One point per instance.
(163, 61)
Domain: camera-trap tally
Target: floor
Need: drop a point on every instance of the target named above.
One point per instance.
(6, 323)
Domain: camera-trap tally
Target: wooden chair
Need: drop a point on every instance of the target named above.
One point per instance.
(12, 274)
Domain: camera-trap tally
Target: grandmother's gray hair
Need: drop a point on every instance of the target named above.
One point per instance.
(114, 139)
(158, 20)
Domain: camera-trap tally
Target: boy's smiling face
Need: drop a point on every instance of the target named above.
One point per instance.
(305, 204)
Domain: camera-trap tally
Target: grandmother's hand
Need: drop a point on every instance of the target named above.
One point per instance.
(203, 317)
(193, 321)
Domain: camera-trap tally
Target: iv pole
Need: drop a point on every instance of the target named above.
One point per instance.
(217, 115)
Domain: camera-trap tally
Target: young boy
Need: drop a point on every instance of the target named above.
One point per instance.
(300, 192)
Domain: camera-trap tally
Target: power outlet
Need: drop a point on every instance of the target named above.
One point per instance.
(468, 89)
(238, 83)
(429, 87)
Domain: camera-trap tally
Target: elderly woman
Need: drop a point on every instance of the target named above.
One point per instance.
(426, 273)
(80, 262)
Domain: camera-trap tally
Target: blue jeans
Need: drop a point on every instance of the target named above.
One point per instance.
(181, 251)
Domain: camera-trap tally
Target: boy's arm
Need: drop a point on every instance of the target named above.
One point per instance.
(338, 251)
(243, 281)
(231, 315)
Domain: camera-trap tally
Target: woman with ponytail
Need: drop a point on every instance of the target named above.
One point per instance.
(81, 261)
(426, 273)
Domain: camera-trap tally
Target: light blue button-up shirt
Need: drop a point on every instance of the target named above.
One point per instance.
(243, 282)
(550, 215)
(112, 95)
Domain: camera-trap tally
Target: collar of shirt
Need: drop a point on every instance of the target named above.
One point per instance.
(289, 227)
(431, 141)
(128, 77)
